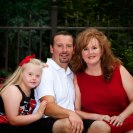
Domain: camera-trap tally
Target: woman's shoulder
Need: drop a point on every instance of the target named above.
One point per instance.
(124, 72)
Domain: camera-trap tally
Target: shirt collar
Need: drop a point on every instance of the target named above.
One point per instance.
(57, 67)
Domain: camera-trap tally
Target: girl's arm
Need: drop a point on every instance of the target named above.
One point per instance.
(12, 97)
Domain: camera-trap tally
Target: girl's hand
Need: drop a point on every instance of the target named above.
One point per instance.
(41, 108)
(116, 120)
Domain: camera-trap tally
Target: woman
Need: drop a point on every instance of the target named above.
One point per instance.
(17, 98)
(104, 88)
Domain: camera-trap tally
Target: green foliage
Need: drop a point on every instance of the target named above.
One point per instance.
(122, 46)
(95, 12)
(4, 74)
(71, 13)
(25, 13)
(128, 59)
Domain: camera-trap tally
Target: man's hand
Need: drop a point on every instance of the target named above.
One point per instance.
(76, 122)
(44, 65)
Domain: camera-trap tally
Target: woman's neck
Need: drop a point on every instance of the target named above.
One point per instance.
(93, 70)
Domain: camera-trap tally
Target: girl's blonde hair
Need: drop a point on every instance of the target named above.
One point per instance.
(16, 76)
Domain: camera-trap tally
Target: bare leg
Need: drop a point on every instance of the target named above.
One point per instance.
(130, 131)
(62, 126)
(99, 127)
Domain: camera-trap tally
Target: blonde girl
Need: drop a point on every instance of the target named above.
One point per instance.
(17, 97)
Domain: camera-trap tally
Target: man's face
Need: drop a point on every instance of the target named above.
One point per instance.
(62, 49)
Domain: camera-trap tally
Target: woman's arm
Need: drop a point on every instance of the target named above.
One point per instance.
(77, 95)
(127, 81)
(82, 114)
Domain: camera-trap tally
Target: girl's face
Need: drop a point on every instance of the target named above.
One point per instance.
(91, 54)
(31, 75)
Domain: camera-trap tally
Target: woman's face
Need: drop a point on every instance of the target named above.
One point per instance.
(91, 54)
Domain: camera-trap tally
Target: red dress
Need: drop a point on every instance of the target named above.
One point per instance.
(107, 98)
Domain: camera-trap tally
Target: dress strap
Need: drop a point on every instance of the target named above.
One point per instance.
(23, 94)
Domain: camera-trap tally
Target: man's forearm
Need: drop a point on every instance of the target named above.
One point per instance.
(53, 110)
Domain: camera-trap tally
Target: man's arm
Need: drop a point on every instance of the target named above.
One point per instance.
(54, 110)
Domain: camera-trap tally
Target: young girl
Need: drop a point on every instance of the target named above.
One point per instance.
(17, 97)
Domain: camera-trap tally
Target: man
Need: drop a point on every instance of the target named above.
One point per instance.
(58, 89)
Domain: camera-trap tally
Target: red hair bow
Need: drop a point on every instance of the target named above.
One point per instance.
(26, 59)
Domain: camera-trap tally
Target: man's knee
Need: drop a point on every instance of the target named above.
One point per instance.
(99, 126)
(62, 126)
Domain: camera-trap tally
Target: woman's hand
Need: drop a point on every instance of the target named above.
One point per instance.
(116, 120)
(105, 118)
